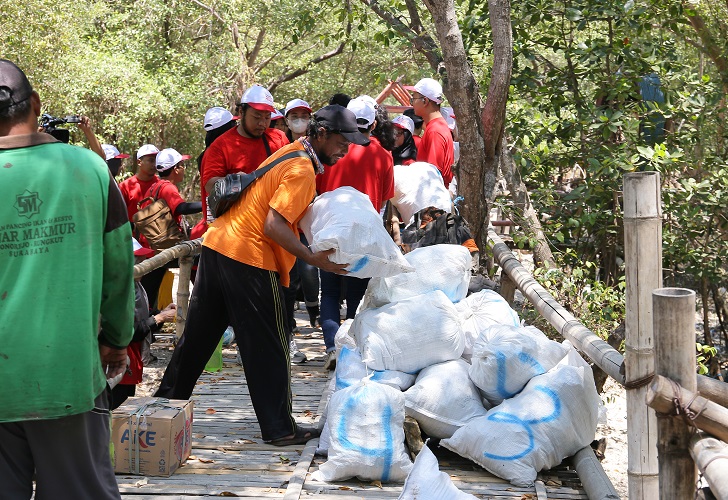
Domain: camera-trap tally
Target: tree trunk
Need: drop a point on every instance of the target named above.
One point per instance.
(524, 215)
(480, 138)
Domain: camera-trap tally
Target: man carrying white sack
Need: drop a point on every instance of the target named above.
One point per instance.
(246, 258)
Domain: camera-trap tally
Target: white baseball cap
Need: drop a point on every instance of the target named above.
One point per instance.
(276, 115)
(295, 104)
(363, 110)
(431, 89)
(217, 117)
(259, 98)
(147, 149)
(405, 123)
(168, 158)
(369, 99)
(111, 152)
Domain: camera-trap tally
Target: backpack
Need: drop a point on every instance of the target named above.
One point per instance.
(157, 223)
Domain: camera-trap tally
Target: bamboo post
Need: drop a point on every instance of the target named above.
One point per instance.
(674, 329)
(711, 457)
(597, 485)
(706, 415)
(183, 293)
(643, 273)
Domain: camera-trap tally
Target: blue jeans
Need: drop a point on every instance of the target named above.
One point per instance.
(331, 287)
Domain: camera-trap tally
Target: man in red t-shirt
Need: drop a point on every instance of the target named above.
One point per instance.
(369, 169)
(436, 146)
(245, 147)
(171, 168)
(134, 188)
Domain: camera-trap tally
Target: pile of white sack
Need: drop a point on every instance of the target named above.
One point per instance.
(498, 393)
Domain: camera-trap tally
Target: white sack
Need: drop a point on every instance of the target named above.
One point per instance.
(444, 399)
(441, 267)
(344, 219)
(343, 337)
(426, 482)
(480, 310)
(350, 370)
(410, 334)
(366, 432)
(505, 358)
(552, 418)
(418, 186)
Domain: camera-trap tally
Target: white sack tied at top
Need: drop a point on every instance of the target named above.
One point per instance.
(444, 399)
(481, 310)
(441, 267)
(551, 419)
(366, 435)
(417, 186)
(506, 357)
(345, 220)
(426, 482)
(410, 334)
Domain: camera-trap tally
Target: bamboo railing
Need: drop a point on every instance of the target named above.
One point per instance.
(185, 252)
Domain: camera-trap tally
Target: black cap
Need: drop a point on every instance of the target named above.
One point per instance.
(15, 83)
(341, 121)
(417, 119)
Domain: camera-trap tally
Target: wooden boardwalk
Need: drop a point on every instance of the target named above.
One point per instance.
(229, 459)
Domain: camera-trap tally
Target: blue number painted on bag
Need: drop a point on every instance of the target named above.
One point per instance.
(385, 452)
(524, 358)
(527, 425)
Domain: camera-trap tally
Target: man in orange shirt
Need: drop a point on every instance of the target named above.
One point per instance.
(246, 257)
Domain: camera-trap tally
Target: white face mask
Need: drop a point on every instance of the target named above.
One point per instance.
(298, 125)
(456, 150)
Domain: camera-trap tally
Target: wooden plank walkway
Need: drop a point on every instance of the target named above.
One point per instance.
(230, 459)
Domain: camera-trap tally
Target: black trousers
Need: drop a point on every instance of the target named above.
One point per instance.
(250, 299)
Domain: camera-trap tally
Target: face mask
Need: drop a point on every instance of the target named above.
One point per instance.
(456, 150)
(298, 125)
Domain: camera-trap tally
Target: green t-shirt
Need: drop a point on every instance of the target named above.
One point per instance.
(66, 267)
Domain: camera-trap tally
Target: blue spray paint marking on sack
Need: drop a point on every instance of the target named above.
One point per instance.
(387, 450)
(359, 264)
(346, 358)
(527, 425)
(524, 358)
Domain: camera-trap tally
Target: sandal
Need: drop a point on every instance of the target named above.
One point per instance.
(301, 436)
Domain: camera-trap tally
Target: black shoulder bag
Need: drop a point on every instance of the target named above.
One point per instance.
(228, 189)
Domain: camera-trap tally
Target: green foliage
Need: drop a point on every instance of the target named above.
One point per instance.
(704, 355)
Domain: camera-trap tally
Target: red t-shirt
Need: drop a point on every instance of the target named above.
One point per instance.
(436, 147)
(231, 153)
(417, 140)
(368, 169)
(133, 190)
(169, 193)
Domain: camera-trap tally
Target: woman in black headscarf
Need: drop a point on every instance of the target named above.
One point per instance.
(405, 151)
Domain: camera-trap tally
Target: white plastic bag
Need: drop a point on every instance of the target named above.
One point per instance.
(366, 433)
(441, 267)
(444, 399)
(552, 418)
(343, 337)
(350, 370)
(345, 220)
(410, 334)
(505, 358)
(426, 482)
(417, 186)
(480, 310)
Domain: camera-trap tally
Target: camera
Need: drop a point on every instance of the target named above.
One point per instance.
(50, 123)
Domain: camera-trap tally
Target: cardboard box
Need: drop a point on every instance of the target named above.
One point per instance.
(151, 436)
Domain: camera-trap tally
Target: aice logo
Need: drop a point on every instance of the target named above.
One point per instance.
(145, 438)
(27, 204)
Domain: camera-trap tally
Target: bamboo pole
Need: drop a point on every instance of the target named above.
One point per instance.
(643, 273)
(674, 330)
(597, 485)
(715, 390)
(583, 339)
(711, 457)
(192, 247)
(709, 417)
